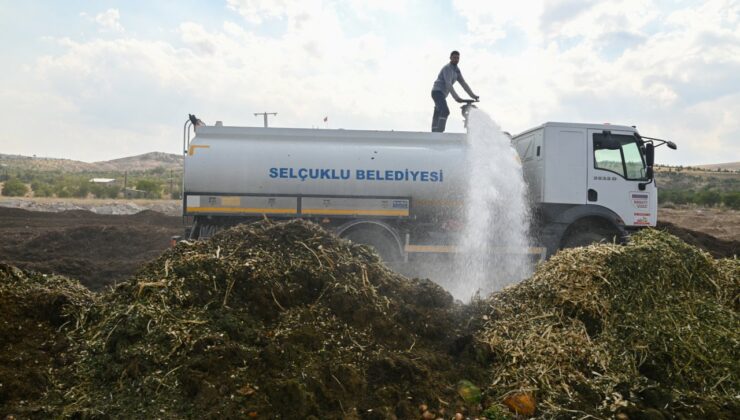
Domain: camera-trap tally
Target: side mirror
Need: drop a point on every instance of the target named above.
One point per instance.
(649, 156)
(649, 172)
(671, 145)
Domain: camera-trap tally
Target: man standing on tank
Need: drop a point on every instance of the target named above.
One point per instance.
(449, 74)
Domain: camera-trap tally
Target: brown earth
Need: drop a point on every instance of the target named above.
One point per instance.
(719, 248)
(98, 250)
(715, 230)
(720, 223)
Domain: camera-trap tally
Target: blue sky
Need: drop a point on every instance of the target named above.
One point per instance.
(97, 80)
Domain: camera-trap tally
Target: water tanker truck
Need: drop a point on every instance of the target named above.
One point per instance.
(401, 192)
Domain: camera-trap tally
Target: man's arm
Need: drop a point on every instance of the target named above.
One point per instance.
(448, 73)
(465, 86)
(455, 95)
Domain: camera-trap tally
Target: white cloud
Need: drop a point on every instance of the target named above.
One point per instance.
(139, 87)
(628, 61)
(673, 73)
(363, 7)
(488, 22)
(107, 21)
(255, 11)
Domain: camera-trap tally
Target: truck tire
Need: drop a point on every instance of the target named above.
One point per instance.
(381, 242)
(587, 235)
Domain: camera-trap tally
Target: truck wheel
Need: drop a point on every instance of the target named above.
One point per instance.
(588, 235)
(381, 243)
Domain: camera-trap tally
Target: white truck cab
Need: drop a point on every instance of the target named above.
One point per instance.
(588, 181)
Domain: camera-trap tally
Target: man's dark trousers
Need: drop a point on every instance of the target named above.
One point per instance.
(441, 112)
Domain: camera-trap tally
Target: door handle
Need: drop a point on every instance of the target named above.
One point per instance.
(592, 195)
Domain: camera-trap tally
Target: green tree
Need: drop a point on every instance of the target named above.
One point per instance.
(731, 199)
(14, 187)
(62, 190)
(81, 188)
(97, 190)
(664, 196)
(709, 198)
(105, 191)
(153, 188)
(112, 191)
(159, 170)
(676, 196)
(42, 189)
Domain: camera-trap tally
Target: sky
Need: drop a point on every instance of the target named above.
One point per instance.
(99, 80)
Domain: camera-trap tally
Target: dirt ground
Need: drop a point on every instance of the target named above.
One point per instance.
(719, 223)
(97, 249)
(714, 230)
(102, 250)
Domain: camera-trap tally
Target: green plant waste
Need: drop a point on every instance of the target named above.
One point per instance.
(285, 320)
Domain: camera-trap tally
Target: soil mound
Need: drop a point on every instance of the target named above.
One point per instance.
(152, 217)
(11, 212)
(650, 328)
(272, 320)
(99, 250)
(97, 255)
(719, 248)
(34, 311)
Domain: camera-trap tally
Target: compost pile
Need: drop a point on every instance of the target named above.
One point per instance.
(36, 311)
(288, 321)
(647, 330)
(270, 320)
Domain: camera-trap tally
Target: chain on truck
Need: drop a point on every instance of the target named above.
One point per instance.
(402, 192)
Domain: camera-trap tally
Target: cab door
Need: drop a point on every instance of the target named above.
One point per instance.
(616, 168)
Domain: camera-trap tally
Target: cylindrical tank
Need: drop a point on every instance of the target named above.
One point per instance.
(429, 168)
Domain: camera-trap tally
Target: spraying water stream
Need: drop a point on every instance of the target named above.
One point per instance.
(497, 216)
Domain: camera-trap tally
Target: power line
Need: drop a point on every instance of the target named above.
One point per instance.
(265, 114)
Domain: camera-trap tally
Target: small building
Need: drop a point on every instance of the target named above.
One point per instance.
(103, 181)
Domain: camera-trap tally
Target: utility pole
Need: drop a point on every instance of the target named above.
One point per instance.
(265, 114)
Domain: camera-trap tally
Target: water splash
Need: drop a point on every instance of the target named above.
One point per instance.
(497, 214)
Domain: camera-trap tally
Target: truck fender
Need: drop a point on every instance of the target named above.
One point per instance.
(374, 225)
(562, 219)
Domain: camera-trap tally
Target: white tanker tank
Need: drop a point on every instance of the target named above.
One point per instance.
(279, 171)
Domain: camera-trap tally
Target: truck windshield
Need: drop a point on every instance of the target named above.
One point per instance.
(621, 155)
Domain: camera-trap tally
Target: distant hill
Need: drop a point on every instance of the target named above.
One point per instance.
(143, 162)
(730, 166)
(695, 178)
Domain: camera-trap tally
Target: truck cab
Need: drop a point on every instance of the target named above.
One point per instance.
(587, 182)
